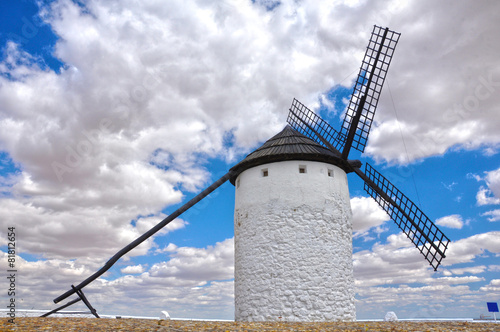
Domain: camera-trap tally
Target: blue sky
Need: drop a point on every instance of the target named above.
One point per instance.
(114, 114)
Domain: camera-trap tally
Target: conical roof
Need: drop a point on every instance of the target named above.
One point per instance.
(289, 144)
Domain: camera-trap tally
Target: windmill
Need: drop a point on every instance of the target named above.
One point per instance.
(293, 233)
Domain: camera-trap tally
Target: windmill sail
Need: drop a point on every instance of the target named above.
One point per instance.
(424, 234)
(361, 109)
(311, 125)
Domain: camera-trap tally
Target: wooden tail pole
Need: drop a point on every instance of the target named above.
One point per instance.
(61, 307)
(145, 236)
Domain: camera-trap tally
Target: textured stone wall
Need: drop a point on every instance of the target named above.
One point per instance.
(293, 244)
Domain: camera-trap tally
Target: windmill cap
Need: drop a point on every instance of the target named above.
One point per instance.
(289, 144)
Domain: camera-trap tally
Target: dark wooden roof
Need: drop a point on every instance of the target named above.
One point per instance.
(289, 144)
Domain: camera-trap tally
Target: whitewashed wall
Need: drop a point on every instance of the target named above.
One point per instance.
(293, 244)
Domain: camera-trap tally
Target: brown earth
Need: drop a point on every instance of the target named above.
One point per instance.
(105, 324)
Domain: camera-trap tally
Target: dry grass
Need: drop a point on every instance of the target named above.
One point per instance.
(92, 324)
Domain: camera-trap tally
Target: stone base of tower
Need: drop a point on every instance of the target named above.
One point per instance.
(293, 245)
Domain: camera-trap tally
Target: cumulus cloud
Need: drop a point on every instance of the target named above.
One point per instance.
(457, 103)
(136, 269)
(484, 197)
(472, 270)
(493, 215)
(494, 268)
(391, 274)
(183, 284)
(491, 193)
(493, 287)
(169, 248)
(398, 261)
(366, 214)
(415, 301)
(192, 282)
(457, 280)
(79, 232)
(466, 250)
(213, 263)
(452, 221)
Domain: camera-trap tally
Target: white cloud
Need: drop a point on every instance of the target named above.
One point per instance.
(169, 248)
(366, 214)
(212, 263)
(494, 268)
(398, 261)
(136, 269)
(492, 288)
(491, 193)
(494, 215)
(183, 285)
(471, 270)
(451, 221)
(394, 276)
(457, 280)
(466, 250)
(451, 112)
(145, 224)
(484, 197)
(414, 301)
(78, 232)
(493, 181)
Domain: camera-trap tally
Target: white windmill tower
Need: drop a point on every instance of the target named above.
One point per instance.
(293, 233)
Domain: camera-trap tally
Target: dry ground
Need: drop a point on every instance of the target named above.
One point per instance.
(104, 324)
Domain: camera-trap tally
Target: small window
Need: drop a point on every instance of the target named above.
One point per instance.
(330, 173)
(265, 172)
(302, 169)
(238, 183)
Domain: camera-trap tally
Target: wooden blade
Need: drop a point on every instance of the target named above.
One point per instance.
(311, 125)
(424, 234)
(361, 110)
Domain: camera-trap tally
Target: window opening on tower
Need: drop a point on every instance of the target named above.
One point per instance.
(265, 172)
